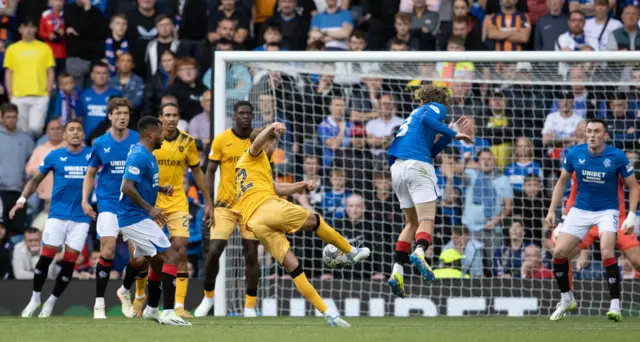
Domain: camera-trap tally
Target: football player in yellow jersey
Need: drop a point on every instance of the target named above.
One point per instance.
(226, 149)
(270, 217)
(178, 151)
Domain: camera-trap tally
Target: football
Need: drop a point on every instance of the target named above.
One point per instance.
(333, 257)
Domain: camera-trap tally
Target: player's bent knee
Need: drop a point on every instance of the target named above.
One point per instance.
(312, 223)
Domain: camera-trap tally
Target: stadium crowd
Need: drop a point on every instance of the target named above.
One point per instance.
(65, 60)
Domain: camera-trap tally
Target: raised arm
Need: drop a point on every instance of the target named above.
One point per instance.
(87, 188)
(267, 133)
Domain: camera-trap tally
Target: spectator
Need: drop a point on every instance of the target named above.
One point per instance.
(116, 43)
(421, 40)
(531, 205)
(312, 170)
(159, 82)
(187, 88)
(532, 267)
(357, 227)
(559, 126)
(54, 133)
(379, 131)
(29, 76)
(488, 200)
(575, 38)
(165, 41)
(15, 148)
(7, 13)
(463, 28)
(271, 33)
(451, 70)
(191, 19)
(93, 100)
(357, 160)
(333, 26)
(129, 84)
(26, 254)
(499, 127)
(584, 6)
(334, 198)
(200, 125)
(599, 28)
(585, 268)
(238, 77)
(507, 260)
(140, 31)
(524, 165)
(509, 29)
(450, 266)
(551, 26)
(291, 27)
(346, 72)
(65, 101)
(229, 10)
(6, 251)
(51, 31)
(86, 32)
(462, 100)
(263, 9)
(468, 151)
(450, 184)
(334, 132)
(227, 30)
(623, 132)
(424, 20)
(384, 204)
(462, 242)
(528, 102)
(379, 16)
(626, 38)
(584, 101)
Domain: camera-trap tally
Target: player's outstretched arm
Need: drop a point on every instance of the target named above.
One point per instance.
(87, 188)
(558, 192)
(284, 189)
(267, 134)
(28, 190)
(629, 223)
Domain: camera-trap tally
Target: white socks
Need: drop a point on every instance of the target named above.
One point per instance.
(397, 268)
(353, 252)
(615, 305)
(99, 302)
(567, 297)
(178, 305)
(35, 297)
(51, 301)
(419, 251)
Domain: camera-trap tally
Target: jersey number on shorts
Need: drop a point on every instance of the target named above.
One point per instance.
(242, 176)
(404, 127)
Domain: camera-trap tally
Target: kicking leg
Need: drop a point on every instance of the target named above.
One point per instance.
(426, 214)
(103, 271)
(612, 274)
(331, 236)
(252, 275)
(212, 264)
(39, 277)
(403, 248)
(63, 279)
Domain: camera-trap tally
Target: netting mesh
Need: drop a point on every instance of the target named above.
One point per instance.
(342, 116)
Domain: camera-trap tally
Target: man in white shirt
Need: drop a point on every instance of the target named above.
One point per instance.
(598, 28)
(560, 126)
(379, 130)
(574, 39)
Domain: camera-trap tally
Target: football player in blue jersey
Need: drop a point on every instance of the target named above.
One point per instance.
(137, 217)
(67, 225)
(597, 167)
(109, 155)
(414, 179)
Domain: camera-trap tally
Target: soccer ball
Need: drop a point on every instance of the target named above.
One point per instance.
(333, 257)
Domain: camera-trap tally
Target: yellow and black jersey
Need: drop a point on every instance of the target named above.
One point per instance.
(227, 148)
(254, 183)
(173, 157)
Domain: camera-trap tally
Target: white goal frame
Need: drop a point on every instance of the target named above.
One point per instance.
(223, 58)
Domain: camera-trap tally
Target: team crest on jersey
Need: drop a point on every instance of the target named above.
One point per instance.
(607, 163)
(181, 149)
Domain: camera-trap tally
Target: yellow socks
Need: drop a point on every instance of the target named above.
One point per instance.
(182, 281)
(330, 235)
(141, 283)
(250, 302)
(209, 294)
(308, 292)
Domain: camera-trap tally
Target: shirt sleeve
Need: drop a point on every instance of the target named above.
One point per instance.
(48, 163)
(346, 17)
(216, 149)
(9, 61)
(94, 160)
(567, 163)
(135, 168)
(505, 190)
(315, 23)
(432, 123)
(625, 169)
(192, 154)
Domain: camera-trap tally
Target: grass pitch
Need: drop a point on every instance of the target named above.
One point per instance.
(312, 329)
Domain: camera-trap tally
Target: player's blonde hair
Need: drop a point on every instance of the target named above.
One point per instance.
(257, 131)
(431, 93)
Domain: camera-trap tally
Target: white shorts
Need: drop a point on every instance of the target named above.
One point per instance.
(579, 222)
(414, 182)
(59, 232)
(147, 238)
(107, 225)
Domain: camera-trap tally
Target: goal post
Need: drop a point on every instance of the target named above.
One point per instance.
(519, 104)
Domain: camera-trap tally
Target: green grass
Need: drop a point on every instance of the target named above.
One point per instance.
(312, 329)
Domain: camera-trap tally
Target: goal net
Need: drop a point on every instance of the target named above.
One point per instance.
(493, 250)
